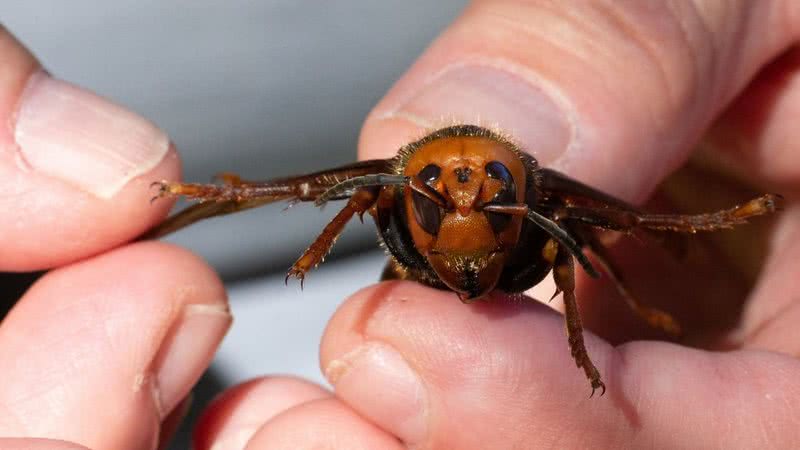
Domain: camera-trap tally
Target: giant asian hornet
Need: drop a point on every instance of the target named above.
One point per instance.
(465, 209)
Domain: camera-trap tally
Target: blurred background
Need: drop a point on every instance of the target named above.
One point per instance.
(261, 88)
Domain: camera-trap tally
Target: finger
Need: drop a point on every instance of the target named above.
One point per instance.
(612, 93)
(752, 144)
(591, 88)
(704, 287)
(232, 419)
(322, 423)
(99, 352)
(440, 374)
(37, 444)
(770, 320)
(75, 168)
(756, 138)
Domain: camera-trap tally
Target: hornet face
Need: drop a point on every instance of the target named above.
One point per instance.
(456, 178)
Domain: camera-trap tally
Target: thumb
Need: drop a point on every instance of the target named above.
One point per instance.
(75, 168)
(586, 86)
(613, 93)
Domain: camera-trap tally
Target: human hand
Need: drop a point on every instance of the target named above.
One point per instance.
(103, 350)
(615, 94)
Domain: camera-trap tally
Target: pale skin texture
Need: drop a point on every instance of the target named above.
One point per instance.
(413, 367)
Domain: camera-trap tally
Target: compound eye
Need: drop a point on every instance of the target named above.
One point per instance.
(427, 213)
(429, 174)
(506, 195)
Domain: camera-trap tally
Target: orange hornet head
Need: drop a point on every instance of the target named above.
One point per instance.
(455, 174)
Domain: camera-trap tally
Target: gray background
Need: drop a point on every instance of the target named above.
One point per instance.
(262, 88)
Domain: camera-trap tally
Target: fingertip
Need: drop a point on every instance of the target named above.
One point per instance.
(404, 310)
(232, 418)
(322, 423)
(74, 167)
(347, 327)
(18, 64)
(382, 137)
(52, 224)
(38, 444)
(134, 327)
(420, 363)
(148, 267)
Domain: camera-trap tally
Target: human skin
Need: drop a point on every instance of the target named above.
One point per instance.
(616, 94)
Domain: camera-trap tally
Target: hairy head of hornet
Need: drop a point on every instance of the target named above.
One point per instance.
(451, 222)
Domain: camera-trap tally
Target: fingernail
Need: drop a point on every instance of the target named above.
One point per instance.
(493, 97)
(73, 135)
(187, 351)
(376, 380)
